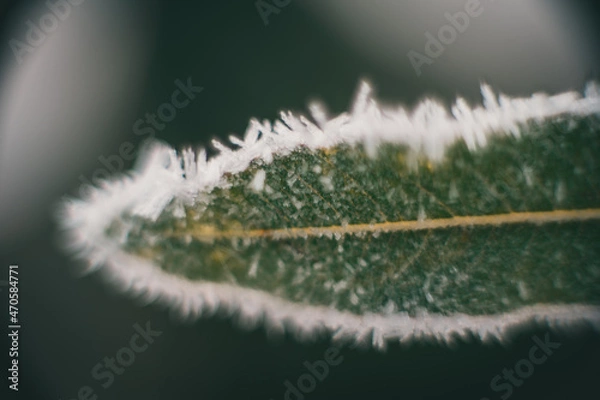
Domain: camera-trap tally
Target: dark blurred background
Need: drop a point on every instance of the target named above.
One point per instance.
(71, 100)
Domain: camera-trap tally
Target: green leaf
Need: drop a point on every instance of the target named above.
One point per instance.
(482, 232)
(476, 224)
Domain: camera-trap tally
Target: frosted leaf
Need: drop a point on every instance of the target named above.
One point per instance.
(407, 224)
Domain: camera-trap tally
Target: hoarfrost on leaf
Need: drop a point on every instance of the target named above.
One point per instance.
(386, 220)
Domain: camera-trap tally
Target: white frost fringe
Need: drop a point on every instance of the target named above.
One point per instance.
(163, 176)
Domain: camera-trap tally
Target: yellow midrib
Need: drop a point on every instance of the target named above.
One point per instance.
(535, 217)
